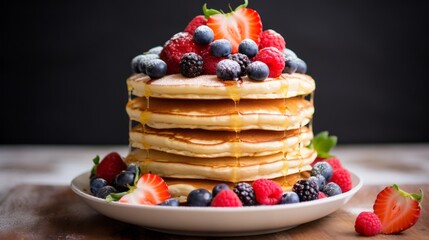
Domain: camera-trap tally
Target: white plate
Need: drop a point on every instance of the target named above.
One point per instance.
(209, 221)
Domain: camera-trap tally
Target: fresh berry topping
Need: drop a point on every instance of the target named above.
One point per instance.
(210, 62)
(290, 65)
(289, 197)
(171, 202)
(258, 70)
(96, 184)
(155, 50)
(174, 49)
(191, 65)
(110, 166)
(203, 35)
(138, 64)
(199, 198)
(220, 48)
(331, 189)
(322, 168)
(226, 198)
(302, 66)
(306, 190)
(267, 192)
(287, 53)
(246, 193)
(133, 168)
(397, 209)
(218, 188)
(150, 189)
(105, 191)
(123, 180)
(321, 195)
(228, 70)
(323, 143)
(156, 68)
(195, 23)
(270, 38)
(367, 224)
(248, 47)
(334, 162)
(240, 24)
(273, 58)
(342, 177)
(319, 180)
(242, 60)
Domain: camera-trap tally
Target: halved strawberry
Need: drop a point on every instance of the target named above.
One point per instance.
(397, 209)
(235, 26)
(150, 189)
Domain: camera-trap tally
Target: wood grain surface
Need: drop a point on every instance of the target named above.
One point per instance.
(55, 212)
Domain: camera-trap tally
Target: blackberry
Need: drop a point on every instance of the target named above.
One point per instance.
(246, 193)
(242, 60)
(306, 190)
(191, 65)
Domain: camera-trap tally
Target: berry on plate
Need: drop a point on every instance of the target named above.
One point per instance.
(97, 183)
(267, 192)
(199, 198)
(397, 209)
(342, 177)
(324, 169)
(320, 181)
(105, 191)
(367, 224)
(334, 162)
(331, 189)
(321, 195)
(289, 197)
(218, 188)
(150, 189)
(110, 166)
(270, 38)
(273, 58)
(306, 190)
(226, 198)
(172, 202)
(195, 23)
(242, 23)
(246, 193)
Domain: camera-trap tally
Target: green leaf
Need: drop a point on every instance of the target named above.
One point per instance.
(208, 12)
(242, 5)
(323, 144)
(415, 196)
(96, 161)
(115, 196)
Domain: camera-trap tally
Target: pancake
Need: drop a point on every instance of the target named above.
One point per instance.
(228, 169)
(210, 87)
(204, 143)
(266, 114)
(180, 188)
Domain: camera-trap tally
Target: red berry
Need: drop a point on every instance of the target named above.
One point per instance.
(343, 178)
(110, 166)
(210, 62)
(226, 198)
(273, 58)
(270, 38)
(334, 162)
(267, 192)
(150, 189)
(321, 195)
(367, 224)
(194, 23)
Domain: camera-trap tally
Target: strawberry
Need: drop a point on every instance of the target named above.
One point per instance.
(235, 26)
(150, 189)
(397, 209)
(194, 23)
(110, 166)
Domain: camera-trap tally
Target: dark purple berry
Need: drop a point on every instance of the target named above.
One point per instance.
(306, 190)
(246, 193)
(242, 60)
(96, 184)
(218, 188)
(289, 197)
(199, 198)
(105, 191)
(191, 65)
(324, 169)
(123, 180)
(172, 202)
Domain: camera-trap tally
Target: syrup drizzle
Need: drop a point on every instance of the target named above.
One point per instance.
(236, 123)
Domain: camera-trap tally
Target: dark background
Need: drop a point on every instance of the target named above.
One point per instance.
(64, 64)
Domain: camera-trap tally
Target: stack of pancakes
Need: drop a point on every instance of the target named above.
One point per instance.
(197, 132)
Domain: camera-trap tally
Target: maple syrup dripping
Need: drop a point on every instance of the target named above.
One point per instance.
(236, 123)
(285, 167)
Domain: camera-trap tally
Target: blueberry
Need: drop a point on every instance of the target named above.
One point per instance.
(248, 47)
(155, 50)
(319, 180)
(96, 184)
(172, 202)
(323, 168)
(228, 70)
(302, 66)
(132, 168)
(218, 188)
(220, 48)
(105, 191)
(291, 65)
(123, 179)
(203, 35)
(287, 53)
(156, 68)
(289, 197)
(331, 189)
(199, 198)
(258, 70)
(138, 64)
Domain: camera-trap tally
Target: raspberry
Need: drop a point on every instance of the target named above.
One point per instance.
(191, 65)
(210, 62)
(343, 178)
(242, 60)
(270, 38)
(334, 162)
(194, 23)
(273, 58)
(174, 49)
(267, 192)
(246, 193)
(226, 198)
(367, 224)
(306, 190)
(321, 195)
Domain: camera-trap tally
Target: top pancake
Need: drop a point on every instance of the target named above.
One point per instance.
(211, 87)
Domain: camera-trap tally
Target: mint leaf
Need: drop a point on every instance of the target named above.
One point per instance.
(115, 196)
(96, 161)
(323, 143)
